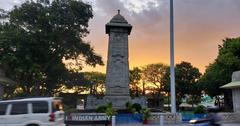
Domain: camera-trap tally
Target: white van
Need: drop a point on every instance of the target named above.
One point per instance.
(44, 111)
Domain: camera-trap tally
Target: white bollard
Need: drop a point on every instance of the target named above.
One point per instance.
(113, 120)
(161, 120)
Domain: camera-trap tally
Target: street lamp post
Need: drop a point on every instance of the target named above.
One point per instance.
(172, 72)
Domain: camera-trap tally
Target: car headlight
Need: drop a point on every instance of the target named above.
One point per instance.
(193, 121)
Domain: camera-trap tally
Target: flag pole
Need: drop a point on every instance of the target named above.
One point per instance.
(172, 72)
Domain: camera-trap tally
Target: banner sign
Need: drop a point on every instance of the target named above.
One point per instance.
(86, 117)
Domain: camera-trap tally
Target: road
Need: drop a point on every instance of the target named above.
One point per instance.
(184, 124)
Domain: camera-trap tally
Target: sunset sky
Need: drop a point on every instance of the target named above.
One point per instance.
(200, 26)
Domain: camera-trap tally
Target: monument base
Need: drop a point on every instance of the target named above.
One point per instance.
(142, 100)
(118, 102)
(93, 102)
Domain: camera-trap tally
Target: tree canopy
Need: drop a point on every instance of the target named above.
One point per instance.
(135, 76)
(154, 74)
(186, 78)
(35, 38)
(220, 71)
(97, 81)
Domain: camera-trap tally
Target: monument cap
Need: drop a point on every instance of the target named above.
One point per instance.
(118, 21)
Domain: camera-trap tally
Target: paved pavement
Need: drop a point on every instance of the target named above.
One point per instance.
(183, 124)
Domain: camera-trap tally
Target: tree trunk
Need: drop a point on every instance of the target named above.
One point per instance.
(143, 93)
(91, 89)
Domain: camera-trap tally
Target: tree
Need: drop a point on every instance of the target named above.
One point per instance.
(219, 72)
(36, 39)
(80, 82)
(76, 82)
(154, 75)
(97, 81)
(186, 80)
(135, 77)
(211, 82)
(167, 86)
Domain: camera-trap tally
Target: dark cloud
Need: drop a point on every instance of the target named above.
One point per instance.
(200, 26)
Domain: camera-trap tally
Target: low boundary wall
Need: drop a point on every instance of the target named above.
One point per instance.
(169, 118)
(229, 117)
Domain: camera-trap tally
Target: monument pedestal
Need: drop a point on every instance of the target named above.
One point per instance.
(118, 102)
(92, 102)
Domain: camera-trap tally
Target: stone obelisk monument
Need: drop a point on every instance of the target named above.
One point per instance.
(117, 77)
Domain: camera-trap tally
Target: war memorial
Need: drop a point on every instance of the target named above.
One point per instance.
(117, 75)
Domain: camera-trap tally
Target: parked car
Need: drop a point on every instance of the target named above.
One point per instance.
(44, 111)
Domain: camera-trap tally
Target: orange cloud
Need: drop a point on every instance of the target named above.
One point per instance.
(200, 26)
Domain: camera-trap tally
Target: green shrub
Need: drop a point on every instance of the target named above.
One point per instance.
(108, 109)
(137, 107)
(111, 111)
(128, 105)
(200, 110)
(101, 108)
(146, 113)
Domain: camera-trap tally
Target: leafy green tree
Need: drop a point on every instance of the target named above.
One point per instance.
(97, 82)
(186, 80)
(75, 81)
(135, 78)
(38, 36)
(211, 82)
(167, 86)
(219, 72)
(92, 82)
(154, 76)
